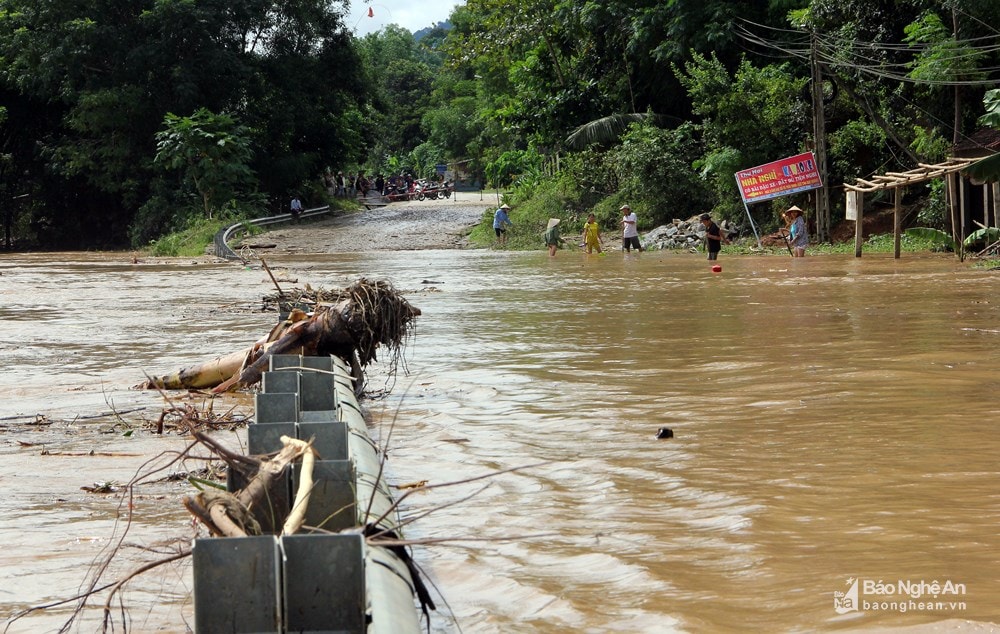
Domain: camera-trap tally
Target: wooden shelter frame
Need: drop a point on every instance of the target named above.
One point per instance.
(897, 181)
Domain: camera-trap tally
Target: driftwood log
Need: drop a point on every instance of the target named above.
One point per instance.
(365, 316)
(242, 513)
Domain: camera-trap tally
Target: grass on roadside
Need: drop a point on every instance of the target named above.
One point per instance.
(199, 234)
(192, 241)
(881, 243)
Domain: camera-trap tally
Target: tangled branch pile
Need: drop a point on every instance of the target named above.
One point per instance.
(304, 298)
(364, 316)
(376, 315)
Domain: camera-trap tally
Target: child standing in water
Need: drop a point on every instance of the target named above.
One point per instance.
(592, 235)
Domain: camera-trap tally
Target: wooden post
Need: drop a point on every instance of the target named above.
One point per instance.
(859, 217)
(961, 217)
(952, 206)
(986, 206)
(897, 212)
(996, 204)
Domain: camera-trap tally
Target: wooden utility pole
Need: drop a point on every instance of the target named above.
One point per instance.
(954, 183)
(957, 126)
(897, 220)
(856, 200)
(819, 141)
(996, 205)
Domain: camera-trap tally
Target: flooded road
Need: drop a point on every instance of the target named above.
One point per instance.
(834, 421)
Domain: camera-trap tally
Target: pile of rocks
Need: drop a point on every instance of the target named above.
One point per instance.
(680, 234)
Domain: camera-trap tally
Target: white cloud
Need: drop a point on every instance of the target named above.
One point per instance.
(412, 15)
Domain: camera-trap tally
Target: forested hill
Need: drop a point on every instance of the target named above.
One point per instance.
(438, 26)
(122, 120)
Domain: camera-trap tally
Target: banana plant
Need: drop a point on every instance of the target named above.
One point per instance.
(986, 235)
(935, 237)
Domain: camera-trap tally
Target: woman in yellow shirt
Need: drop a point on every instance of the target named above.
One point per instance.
(592, 235)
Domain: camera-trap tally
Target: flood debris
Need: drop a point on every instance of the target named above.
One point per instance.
(250, 510)
(184, 417)
(104, 487)
(352, 324)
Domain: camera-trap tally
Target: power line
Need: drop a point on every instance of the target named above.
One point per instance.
(860, 56)
(798, 48)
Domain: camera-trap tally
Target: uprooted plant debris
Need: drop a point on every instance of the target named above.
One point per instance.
(307, 298)
(351, 323)
(185, 418)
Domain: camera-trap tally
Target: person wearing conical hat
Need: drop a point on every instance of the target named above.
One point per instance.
(798, 237)
(500, 223)
(552, 238)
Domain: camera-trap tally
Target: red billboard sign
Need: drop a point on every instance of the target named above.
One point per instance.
(780, 178)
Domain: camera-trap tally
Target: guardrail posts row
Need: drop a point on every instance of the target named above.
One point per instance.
(326, 578)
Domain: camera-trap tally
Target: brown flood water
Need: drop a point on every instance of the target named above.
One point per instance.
(834, 419)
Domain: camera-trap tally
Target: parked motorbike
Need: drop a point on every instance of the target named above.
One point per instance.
(428, 189)
(397, 192)
(435, 190)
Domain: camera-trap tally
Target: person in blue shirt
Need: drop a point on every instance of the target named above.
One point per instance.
(500, 223)
(798, 236)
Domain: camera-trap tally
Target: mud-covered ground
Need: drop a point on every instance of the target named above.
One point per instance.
(398, 226)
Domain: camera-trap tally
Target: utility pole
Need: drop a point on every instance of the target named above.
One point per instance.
(819, 142)
(957, 126)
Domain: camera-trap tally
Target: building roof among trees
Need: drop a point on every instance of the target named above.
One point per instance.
(983, 142)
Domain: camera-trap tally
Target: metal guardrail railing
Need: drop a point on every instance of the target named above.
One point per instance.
(326, 577)
(224, 236)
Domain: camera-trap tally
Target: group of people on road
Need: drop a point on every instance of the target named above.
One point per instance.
(353, 185)
(796, 234)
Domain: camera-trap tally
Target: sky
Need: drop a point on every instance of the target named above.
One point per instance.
(412, 15)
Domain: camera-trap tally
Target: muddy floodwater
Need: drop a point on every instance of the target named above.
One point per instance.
(834, 464)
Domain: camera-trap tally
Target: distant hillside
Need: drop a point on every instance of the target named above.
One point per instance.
(422, 33)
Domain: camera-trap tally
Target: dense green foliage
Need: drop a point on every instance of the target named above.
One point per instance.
(89, 85)
(124, 120)
(211, 150)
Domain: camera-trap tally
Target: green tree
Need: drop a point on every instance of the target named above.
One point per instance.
(105, 73)
(511, 165)
(401, 72)
(425, 158)
(907, 69)
(452, 123)
(941, 61)
(212, 150)
(654, 169)
(749, 117)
